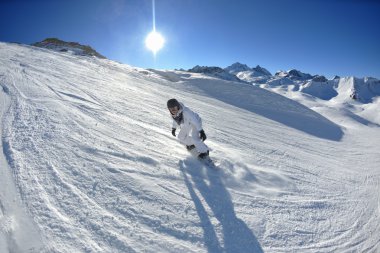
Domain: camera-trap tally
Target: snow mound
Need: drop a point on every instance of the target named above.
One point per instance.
(323, 90)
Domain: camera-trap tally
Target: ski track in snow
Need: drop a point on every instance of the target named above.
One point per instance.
(17, 231)
(93, 160)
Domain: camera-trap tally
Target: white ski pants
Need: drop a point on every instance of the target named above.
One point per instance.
(189, 135)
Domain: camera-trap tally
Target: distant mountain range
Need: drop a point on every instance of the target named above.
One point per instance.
(363, 90)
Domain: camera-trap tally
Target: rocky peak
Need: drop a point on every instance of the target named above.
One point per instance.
(320, 79)
(262, 70)
(206, 70)
(63, 46)
(294, 74)
(214, 71)
(237, 67)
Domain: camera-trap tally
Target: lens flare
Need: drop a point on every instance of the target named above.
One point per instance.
(154, 41)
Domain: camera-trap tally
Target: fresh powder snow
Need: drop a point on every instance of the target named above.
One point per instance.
(89, 163)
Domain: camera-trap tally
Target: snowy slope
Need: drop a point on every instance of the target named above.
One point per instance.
(88, 153)
(15, 225)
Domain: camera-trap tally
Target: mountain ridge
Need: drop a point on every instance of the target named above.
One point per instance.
(70, 47)
(363, 90)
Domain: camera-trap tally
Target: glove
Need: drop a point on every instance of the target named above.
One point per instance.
(202, 135)
(173, 131)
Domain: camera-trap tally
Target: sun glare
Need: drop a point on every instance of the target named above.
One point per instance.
(154, 41)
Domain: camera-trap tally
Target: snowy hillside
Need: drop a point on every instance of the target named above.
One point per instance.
(89, 163)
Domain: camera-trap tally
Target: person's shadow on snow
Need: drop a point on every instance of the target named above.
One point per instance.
(237, 237)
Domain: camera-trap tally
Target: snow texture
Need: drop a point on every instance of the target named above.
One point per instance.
(89, 163)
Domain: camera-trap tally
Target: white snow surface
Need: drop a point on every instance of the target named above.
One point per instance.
(89, 163)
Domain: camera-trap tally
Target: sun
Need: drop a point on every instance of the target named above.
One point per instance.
(154, 41)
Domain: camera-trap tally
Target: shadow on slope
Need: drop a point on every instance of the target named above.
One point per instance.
(237, 236)
(272, 106)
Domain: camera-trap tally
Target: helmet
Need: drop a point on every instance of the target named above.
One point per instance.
(173, 103)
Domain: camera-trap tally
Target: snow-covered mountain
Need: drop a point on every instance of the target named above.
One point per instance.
(237, 67)
(294, 74)
(251, 75)
(363, 90)
(89, 163)
(347, 89)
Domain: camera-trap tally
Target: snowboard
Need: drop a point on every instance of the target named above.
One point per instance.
(207, 161)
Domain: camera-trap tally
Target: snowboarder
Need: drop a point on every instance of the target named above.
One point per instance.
(191, 134)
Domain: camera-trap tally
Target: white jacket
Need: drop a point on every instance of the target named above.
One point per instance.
(189, 118)
(190, 127)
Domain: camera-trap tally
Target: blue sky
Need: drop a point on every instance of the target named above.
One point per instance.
(329, 37)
